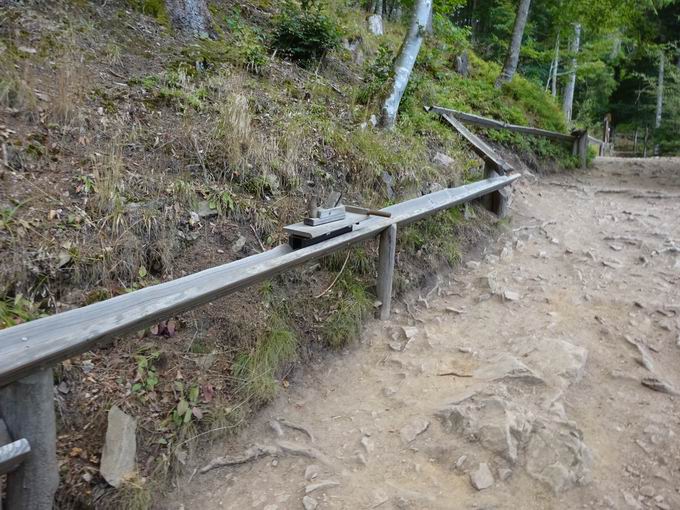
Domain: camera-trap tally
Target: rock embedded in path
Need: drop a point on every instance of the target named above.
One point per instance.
(511, 295)
(557, 456)
(481, 478)
(309, 503)
(323, 484)
(120, 448)
(413, 429)
(498, 425)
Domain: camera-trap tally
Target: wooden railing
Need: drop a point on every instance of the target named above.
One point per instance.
(29, 351)
(578, 139)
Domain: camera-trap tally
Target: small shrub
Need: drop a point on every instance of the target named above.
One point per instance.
(305, 33)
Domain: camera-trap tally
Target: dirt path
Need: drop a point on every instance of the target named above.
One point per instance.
(522, 372)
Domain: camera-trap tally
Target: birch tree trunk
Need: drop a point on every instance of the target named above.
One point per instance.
(659, 99)
(556, 65)
(191, 16)
(568, 104)
(405, 61)
(512, 59)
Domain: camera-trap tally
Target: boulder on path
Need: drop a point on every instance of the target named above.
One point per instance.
(413, 429)
(505, 367)
(481, 478)
(557, 456)
(498, 425)
(120, 448)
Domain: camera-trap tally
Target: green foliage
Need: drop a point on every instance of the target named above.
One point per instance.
(305, 32)
(256, 369)
(147, 377)
(434, 236)
(351, 304)
(154, 8)
(16, 310)
(376, 76)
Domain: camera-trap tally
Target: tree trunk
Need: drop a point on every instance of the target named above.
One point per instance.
(474, 22)
(659, 99)
(191, 16)
(659, 92)
(556, 65)
(512, 59)
(379, 7)
(405, 61)
(568, 104)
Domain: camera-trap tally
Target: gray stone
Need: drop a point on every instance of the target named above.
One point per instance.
(204, 210)
(497, 425)
(323, 484)
(557, 456)
(413, 429)
(375, 24)
(443, 160)
(120, 448)
(309, 503)
(505, 367)
(481, 478)
(511, 295)
(238, 244)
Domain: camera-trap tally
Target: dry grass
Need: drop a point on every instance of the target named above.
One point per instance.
(17, 89)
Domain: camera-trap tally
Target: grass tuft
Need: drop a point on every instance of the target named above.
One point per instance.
(255, 370)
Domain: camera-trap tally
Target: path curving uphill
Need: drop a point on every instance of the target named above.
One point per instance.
(542, 375)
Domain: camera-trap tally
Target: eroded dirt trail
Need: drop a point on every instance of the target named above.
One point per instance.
(521, 373)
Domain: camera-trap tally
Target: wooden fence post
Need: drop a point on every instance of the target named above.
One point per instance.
(27, 406)
(386, 255)
(580, 146)
(497, 202)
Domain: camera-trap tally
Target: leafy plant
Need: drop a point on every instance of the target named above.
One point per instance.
(17, 310)
(147, 377)
(187, 406)
(305, 32)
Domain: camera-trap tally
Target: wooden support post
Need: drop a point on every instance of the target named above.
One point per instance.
(580, 147)
(387, 252)
(27, 406)
(497, 202)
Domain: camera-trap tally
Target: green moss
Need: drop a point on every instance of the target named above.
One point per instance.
(154, 8)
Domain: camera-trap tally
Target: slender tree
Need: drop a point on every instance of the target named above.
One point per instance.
(512, 58)
(568, 102)
(191, 17)
(556, 66)
(659, 98)
(405, 61)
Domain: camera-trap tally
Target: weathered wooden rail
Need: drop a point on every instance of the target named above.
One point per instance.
(29, 351)
(578, 139)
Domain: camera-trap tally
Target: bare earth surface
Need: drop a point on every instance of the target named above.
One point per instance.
(541, 376)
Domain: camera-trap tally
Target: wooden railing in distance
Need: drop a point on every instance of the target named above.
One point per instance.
(578, 139)
(29, 351)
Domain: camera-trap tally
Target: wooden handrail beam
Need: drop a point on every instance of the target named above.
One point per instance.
(45, 342)
(485, 122)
